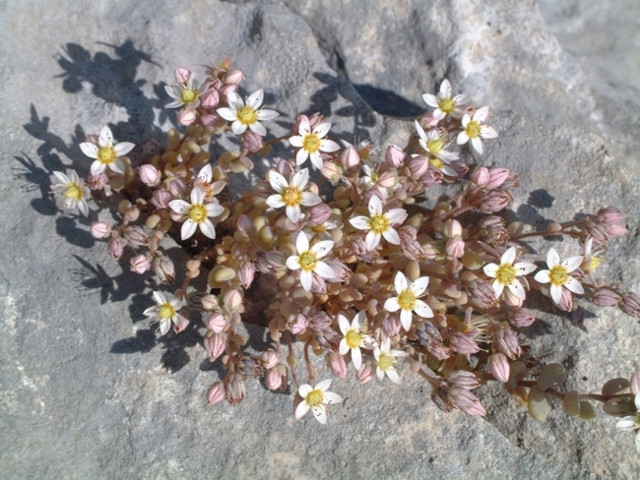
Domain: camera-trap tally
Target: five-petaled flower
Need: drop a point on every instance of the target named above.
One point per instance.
(558, 275)
(632, 422)
(353, 338)
(316, 399)
(166, 311)
(188, 90)
(506, 274)
(106, 153)
(196, 214)
(433, 143)
(407, 300)
(308, 260)
(291, 195)
(445, 103)
(379, 223)
(311, 143)
(474, 130)
(386, 360)
(75, 192)
(247, 115)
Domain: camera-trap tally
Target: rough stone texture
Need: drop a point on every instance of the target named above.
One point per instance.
(89, 391)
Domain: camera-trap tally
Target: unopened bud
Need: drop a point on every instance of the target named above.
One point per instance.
(499, 366)
(100, 230)
(232, 300)
(480, 176)
(210, 99)
(116, 247)
(497, 177)
(297, 323)
(394, 156)
(365, 374)
(236, 388)
(455, 247)
(630, 304)
(135, 236)
(161, 198)
(611, 215)
(273, 379)
(216, 393)
(149, 175)
(164, 269)
(177, 187)
(233, 77)
(418, 165)
(522, 317)
(350, 157)
(182, 74)
(216, 322)
(336, 364)
(215, 345)
(186, 116)
(251, 141)
(319, 214)
(605, 297)
(246, 274)
(506, 341)
(269, 359)
(331, 172)
(634, 383)
(140, 264)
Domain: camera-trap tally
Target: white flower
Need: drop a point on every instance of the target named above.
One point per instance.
(75, 192)
(379, 223)
(204, 183)
(106, 153)
(507, 272)
(291, 195)
(386, 359)
(558, 275)
(433, 143)
(353, 337)
(322, 230)
(316, 398)
(308, 261)
(445, 104)
(311, 143)
(248, 115)
(196, 213)
(632, 422)
(186, 93)
(474, 130)
(166, 311)
(407, 299)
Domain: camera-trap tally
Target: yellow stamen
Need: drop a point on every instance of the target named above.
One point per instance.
(318, 229)
(74, 192)
(311, 143)
(386, 361)
(247, 115)
(558, 275)
(473, 129)
(434, 146)
(407, 300)
(308, 261)
(353, 338)
(166, 311)
(506, 274)
(188, 96)
(106, 155)
(292, 196)
(436, 163)
(447, 105)
(315, 397)
(378, 223)
(197, 213)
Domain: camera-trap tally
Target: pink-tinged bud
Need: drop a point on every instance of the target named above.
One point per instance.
(605, 297)
(161, 199)
(350, 157)
(216, 393)
(463, 344)
(480, 176)
(246, 226)
(164, 269)
(427, 122)
(297, 324)
(611, 216)
(331, 172)
(232, 300)
(511, 300)
(497, 176)
(177, 187)
(388, 179)
(506, 341)
(269, 358)
(336, 364)
(246, 274)
(233, 77)
(630, 304)
(455, 247)
(273, 379)
(236, 388)
(483, 295)
(98, 182)
(140, 264)
(210, 99)
(100, 230)
(365, 374)
(213, 121)
(182, 74)
(391, 325)
(634, 383)
(225, 90)
(216, 322)
(209, 302)
(187, 116)
(522, 318)
(149, 175)
(135, 236)
(495, 201)
(499, 366)
(432, 177)
(319, 214)
(394, 156)
(318, 284)
(320, 321)
(616, 230)
(467, 402)
(464, 379)
(251, 141)
(215, 345)
(418, 165)
(116, 247)
(275, 259)
(452, 228)
(566, 301)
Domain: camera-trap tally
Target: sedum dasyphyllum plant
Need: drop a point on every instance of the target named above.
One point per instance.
(325, 252)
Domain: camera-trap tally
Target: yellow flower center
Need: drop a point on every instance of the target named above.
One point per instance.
(106, 155)
(559, 275)
(74, 191)
(378, 223)
(353, 338)
(506, 274)
(318, 229)
(407, 300)
(375, 176)
(197, 213)
(447, 105)
(436, 163)
(473, 129)
(189, 96)
(292, 196)
(308, 261)
(434, 146)
(386, 361)
(315, 397)
(166, 311)
(247, 115)
(311, 143)
(595, 263)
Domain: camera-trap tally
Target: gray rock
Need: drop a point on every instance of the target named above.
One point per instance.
(88, 388)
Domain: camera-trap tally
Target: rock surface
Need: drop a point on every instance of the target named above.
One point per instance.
(90, 391)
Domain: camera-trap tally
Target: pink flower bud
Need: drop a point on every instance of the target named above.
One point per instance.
(350, 157)
(634, 383)
(463, 344)
(187, 116)
(246, 273)
(388, 179)
(251, 141)
(611, 216)
(566, 301)
(365, 374)
(233, 77)
(455, 247)
(182, 74)
(499, 366)
(297, 323)
(511, 300)
(427, 122)
(215, 345)
(319, 214)
(213, 121)
(98, 182)
(495, 201)
(100, 230)
(275, 259)
(232, 300)
(432, 177)
(605, 297)
(210, 99)
(216, 393)
(164, 269)
(522, 317)
(337, 364)
(480, 176)
(273, 379)
(464, 379)
(269, 359)
(497, 176)
(418, 165)
(161, 199)
(506, 341)
(209, 302)
(216, 322)
(177, 187)
(630, 304)
(452, 228)
(331, 172)
(236, 388)
(140, 264)
(394, 156)
(149, 175)
(616, 230)
(116, 247)
(135, 236)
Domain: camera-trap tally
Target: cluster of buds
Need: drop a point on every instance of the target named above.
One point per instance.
(353, 275)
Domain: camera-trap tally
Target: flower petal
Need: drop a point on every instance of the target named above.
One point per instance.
(445, 89)
(324, 270)
(293, 213)
(430, 99)
(491, 269)
(393, 375)
(293, 262)
(275, 201)
(572, 263)
(343, 323)
(524, 268)
(296, 141)
(360, 222)
(553, 258)
(356, 358)
(332, 398)
(123, 148)
(238, 127)
(89, 149)
(277, 181)
(208, 229)
(391, 304)
(267, 114)
(372, 240)
(391, 236)
(508, 257)
(106, 137)
(300, 179)
(310, 199)
(258, 129)
(422, 310)
(574, 285)
(375, 205)
(419, 286)
(214, 209)
(302, 408)
(306, 279)
(316, 160)
(542, 276)
(301, 156)
(302, 243)
(406, 316)
(396, 215)
(97, 167)
(255, 99)
(477, 145)
(228, 114)
(556, 293)
(462, 138)
(117, 166)
(322, 129)
(321, 249)
(188, 229)
(320, 413)
(400, 283)
(517, 289)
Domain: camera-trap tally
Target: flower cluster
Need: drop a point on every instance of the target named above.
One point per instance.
(356, 275)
